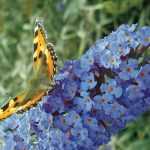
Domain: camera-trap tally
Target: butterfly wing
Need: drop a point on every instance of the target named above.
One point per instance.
(39, 45)
(44, 54)
(44, 68)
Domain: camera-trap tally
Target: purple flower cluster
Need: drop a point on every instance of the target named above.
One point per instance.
(94, 97)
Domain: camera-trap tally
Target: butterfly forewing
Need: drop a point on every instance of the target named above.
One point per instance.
(44, 54)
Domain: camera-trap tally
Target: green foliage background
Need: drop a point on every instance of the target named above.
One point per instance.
(72, 26)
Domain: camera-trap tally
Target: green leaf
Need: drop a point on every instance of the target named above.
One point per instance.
(139, 145)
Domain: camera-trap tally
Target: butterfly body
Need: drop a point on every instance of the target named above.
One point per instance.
(41, 77)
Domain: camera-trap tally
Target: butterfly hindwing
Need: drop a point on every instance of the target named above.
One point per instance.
(50, 60)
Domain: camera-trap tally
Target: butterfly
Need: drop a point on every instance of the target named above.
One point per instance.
(41, 78)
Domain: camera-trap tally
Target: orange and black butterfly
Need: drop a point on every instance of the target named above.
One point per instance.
(44, 68)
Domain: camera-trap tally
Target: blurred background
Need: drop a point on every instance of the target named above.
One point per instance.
(72, 26)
